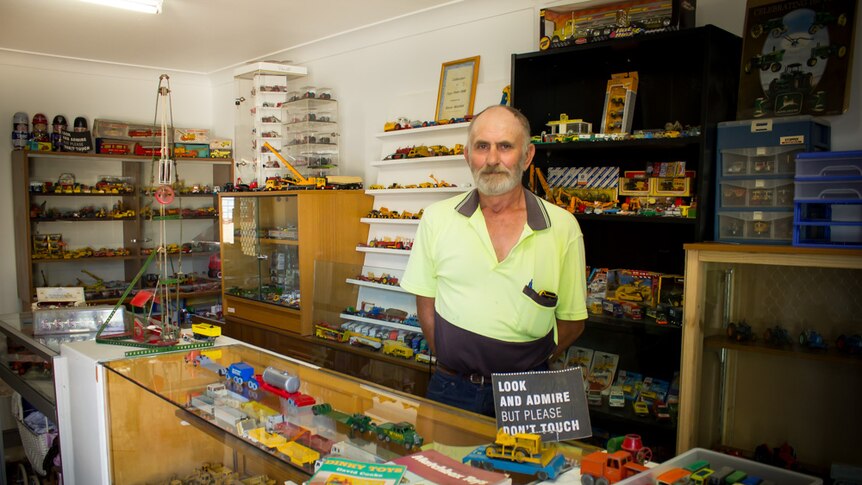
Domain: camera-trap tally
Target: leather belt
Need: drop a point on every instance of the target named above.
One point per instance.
(474, 378)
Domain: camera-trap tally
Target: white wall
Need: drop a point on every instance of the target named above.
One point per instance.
(53, 86)
(377, 73)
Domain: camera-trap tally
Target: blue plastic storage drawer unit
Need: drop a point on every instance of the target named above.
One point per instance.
(828, 199)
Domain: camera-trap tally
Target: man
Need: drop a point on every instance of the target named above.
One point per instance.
(498, 273)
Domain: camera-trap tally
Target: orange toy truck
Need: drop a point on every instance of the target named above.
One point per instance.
(601, 467)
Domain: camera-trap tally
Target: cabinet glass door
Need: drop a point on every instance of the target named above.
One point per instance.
(261, 248)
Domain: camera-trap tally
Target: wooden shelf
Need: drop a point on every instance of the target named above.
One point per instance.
(86, 259)
(635, 218)
(793, 351)
(124, 158)
(283, 242)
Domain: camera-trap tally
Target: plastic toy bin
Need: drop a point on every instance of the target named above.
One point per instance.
(829, 164)
(770, 160)
(755, 226)
(828, 224)
(718, 460)
(829, 190)
(754, 193)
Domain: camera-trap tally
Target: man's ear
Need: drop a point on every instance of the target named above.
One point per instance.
(531, 152)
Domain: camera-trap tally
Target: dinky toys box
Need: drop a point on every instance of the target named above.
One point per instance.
(633, 285)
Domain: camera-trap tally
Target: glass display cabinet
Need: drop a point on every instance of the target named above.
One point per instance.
(241, 410)
(271, 241)
(771, 344)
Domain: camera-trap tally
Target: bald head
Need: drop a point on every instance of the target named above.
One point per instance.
(518, 117)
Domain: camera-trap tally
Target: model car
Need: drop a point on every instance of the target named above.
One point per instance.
(641, 408)
(616, 398)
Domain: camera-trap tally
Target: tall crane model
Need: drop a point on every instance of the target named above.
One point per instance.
(150, 333)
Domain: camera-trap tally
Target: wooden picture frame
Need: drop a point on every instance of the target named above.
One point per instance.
(457, 91)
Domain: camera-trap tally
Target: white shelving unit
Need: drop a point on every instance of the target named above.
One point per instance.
(408, 171)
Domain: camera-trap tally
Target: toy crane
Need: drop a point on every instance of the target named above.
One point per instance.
(150, 333)
(298, 179)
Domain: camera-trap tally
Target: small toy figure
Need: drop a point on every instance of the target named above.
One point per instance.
(57, 128)
(20, 132)
(40, 128)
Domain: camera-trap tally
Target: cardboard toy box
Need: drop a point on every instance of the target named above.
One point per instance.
(598, 20)
(191, 135)
(221, 148)
(192, 150)
(633, 285)
(670, 290)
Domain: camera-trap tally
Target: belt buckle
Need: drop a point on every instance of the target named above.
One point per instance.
(476, 379)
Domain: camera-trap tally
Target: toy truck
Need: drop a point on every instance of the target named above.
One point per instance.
(521, 453)
(402, 433)
(601, 467)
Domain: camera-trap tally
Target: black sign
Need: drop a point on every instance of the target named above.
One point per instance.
(551, 404)
(77, 141)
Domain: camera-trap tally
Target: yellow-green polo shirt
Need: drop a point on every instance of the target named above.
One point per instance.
(453, 261)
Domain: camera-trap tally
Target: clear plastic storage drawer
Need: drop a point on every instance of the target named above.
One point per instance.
(775, 160)
(829, 190)
(829, 164)
(754, 193)
(755, 226)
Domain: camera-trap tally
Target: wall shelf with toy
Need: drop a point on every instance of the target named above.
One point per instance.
(628, 146)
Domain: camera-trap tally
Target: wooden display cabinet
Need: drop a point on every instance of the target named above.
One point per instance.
(272, 241)
(134, 235)
(740, 394)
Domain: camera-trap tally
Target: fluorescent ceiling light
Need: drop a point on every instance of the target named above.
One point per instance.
(145, 6)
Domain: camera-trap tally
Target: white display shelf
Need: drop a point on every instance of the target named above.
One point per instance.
(427, 129)
(399, 326)
(401, 252)
(435, 190)
(380, 286)
(419, 161)
(380, 220)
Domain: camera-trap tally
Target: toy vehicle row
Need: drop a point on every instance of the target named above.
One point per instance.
(700, 473)
(402, 433)
(385, 213)
(422, 151)
(403, 123)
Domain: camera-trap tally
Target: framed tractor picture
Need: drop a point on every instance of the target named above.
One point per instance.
(796, 58)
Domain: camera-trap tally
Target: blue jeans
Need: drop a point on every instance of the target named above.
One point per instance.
(459, 392)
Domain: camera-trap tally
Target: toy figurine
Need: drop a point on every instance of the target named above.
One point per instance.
(812, 339)
(57, 128)
(20, 131)
(741, 332)
(40, 128)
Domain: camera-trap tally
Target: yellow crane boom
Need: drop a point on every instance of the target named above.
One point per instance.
(299, 179)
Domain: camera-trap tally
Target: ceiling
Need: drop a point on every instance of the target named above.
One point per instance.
(199, 36)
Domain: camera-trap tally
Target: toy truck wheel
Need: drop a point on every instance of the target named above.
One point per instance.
(520, 456)
(542, 475)
(381, 437)
(488, 465)
(252, 384)
(602, 481)
(588, 480)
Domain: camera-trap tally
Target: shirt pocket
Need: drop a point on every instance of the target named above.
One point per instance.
(536, 312)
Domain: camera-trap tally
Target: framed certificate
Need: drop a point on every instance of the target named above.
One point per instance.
(457, 90)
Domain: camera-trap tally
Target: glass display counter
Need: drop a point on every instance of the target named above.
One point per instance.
(242, 410)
